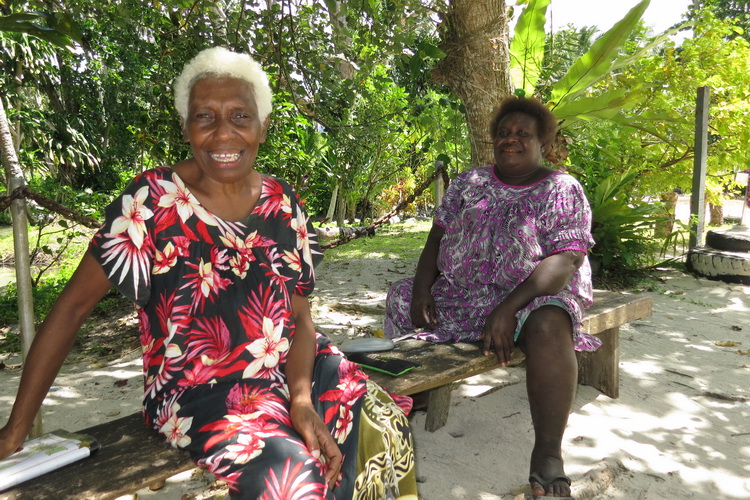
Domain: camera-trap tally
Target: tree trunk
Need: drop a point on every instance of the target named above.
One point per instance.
(716, 217)
(332, 204)
(476, 68)
(341, 208)
(351, 211)
(20, 245)
(664, 228)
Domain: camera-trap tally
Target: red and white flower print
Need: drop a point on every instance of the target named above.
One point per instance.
(268, 349)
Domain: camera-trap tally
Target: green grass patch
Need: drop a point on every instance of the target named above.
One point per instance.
(403, 240)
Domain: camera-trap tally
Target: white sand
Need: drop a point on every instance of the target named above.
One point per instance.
(680, 428)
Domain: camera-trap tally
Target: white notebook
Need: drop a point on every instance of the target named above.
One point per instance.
(44, 454)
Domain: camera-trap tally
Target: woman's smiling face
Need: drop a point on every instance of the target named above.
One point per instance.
(223, 127)
(518, 150)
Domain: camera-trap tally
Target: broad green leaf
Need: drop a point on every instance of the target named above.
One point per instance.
(648, 48)
(612, 102)
(62, 33)
(65, 24)
(527, 46)
(431, 50)
(598, 61)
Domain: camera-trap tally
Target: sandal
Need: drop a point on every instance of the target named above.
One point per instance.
(536, 478)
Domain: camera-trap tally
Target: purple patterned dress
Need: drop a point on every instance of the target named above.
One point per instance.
(495, 236)
(216, 326)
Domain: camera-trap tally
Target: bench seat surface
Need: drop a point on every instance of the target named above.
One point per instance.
(132, 456)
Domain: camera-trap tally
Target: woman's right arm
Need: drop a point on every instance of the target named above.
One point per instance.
(51, 345)
(422, 304)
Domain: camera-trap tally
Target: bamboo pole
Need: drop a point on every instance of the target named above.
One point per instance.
(14, 175)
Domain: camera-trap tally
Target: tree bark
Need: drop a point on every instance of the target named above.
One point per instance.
(716, 214)
(664, 228)
(475, 37)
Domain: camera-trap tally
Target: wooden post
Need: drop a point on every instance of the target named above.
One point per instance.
(698, 196)
(20, 246)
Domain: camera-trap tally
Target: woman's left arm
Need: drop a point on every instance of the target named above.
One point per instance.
(299, 372)
(549, 278)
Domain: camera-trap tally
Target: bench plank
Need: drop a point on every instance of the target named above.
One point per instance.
(132, 457)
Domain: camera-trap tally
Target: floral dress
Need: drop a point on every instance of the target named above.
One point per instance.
(495, 236)
(216, 323)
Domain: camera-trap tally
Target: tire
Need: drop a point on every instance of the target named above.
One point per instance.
(729, 240)
(732, 267)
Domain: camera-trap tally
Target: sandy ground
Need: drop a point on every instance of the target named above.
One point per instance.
(679, 429)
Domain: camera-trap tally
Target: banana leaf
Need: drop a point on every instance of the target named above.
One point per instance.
(598, 61)
(527, 46)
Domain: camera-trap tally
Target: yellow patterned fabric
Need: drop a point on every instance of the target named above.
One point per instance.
(385, 456)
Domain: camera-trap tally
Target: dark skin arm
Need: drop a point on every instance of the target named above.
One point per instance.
(51, 346)
(422, 309)
(299, 370)
(549, 278)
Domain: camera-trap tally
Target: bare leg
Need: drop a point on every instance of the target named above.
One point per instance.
(551, 381)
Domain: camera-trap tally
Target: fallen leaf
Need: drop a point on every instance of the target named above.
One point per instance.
(744, 353)
(727, 343)
(121, 382)
(736, 328)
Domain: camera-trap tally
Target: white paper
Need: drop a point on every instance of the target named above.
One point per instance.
(41, 455)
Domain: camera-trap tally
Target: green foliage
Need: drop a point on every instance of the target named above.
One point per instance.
(735, 11)
(622, 227)
(58, 29)
(44, 295)
(592, 66)
(569, 96)
(658, 133)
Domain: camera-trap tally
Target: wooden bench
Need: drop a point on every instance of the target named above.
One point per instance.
(133, 457)
(443, 364)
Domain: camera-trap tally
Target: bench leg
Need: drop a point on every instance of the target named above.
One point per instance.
(438, 407)
(601, 369)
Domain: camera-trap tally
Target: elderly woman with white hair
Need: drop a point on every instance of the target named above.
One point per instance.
(219, 260)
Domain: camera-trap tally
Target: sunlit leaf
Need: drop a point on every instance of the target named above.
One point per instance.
(598, 61)
(527, 46)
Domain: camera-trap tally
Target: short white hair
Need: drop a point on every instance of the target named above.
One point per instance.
(218, 62)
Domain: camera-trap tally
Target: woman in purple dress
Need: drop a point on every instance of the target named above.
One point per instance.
(505, 262)
(219, 259)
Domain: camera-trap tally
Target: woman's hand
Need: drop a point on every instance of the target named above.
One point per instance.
(318, 440)
(498, 333)
(422, 311)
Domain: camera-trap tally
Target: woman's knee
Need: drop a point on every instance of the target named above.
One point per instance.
(547, 326)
